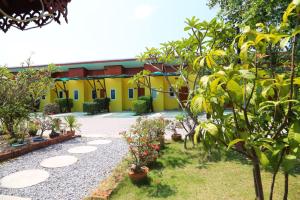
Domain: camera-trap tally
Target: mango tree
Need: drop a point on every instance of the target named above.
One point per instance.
(264, 122)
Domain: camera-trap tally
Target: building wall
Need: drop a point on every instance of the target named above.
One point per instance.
(163, 100)
(127, 103)
(116, 104)
(170, 102)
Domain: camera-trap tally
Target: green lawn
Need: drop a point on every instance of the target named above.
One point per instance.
(184, 174)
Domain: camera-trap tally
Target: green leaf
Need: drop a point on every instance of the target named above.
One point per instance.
(235, 88)
(219, 53)
(262, 157)
(211, 129)
(246, 74)
(214, 84)
(294, 132)
(233, 142)
(289, 162)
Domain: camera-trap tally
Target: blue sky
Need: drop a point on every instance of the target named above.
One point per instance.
(101, 30)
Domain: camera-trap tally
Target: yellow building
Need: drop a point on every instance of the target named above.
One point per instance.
(85, 81)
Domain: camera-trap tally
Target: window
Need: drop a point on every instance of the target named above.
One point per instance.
(76, 95)
(130, 93)
(112, 94)
(171, 92)
(94, 94)
(154, 93)
(60, 94)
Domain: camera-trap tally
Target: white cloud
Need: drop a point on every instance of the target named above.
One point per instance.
(143, 11)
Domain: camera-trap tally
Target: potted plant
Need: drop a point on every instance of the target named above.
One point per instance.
(159, 128)
(141, 146)
(54, 127)
(175, 135)
(72, 124)
(19, 139)
(44, 123)
(32, 128)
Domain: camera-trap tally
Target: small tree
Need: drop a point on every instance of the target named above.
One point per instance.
(18, 97)
(264, 123)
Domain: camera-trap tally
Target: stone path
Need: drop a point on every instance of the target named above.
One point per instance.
(54, 173)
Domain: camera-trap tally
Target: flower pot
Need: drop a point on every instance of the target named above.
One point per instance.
(38, 139)
(138, 176)
(18, 144)
(176, 137)
(71, 133)
(53, 134)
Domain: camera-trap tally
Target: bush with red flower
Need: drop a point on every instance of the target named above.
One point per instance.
(142, 145)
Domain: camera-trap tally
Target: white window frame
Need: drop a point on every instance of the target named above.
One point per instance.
(115, 94)
(77, 95)
(154, 90)
(132, 93)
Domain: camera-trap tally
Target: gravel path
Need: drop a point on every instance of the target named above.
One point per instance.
(66, 183)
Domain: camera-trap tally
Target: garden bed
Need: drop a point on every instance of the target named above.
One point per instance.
(14, 152)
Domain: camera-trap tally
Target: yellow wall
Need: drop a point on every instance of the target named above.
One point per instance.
(170, 103)
(73, 85)
(127, 103)
(163, 101)
(115, 83)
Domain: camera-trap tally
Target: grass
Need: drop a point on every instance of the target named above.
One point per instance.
(189, 174)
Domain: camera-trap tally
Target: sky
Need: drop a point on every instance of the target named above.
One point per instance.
(102, 30)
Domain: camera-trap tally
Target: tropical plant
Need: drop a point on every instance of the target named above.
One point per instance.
(72, 123)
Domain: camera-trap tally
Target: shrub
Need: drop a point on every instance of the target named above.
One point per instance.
(63, 104)
(51, 108)
(90, 108)
(140, 107)
(148, 100)
(102, 104)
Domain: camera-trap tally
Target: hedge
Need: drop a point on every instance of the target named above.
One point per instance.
(140, 107)
(51, 108)
(90, 108)
(98, 106)
(64, 105)
(148, 100)
(102, 104)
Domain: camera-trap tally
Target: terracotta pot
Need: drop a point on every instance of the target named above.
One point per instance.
(176, 137)
(71, 133)
(137, 177)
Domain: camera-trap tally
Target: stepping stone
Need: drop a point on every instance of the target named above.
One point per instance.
(97, 142)
(6, 197)
(58, 161)
(25, 178)
(82, 149)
